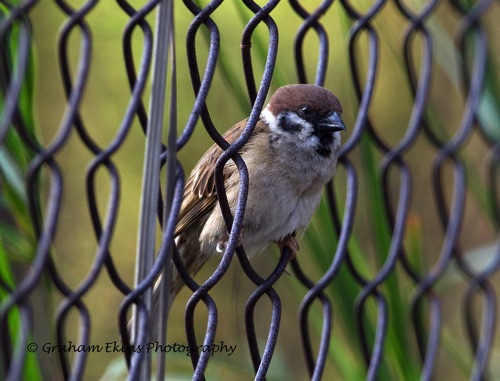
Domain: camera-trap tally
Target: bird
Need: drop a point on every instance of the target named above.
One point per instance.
(290, 157)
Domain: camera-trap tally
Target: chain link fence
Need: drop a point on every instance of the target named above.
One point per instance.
(107, 105)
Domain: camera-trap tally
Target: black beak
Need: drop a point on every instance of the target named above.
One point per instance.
(331, 123)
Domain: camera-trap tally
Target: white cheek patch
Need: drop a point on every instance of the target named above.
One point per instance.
(270, 119)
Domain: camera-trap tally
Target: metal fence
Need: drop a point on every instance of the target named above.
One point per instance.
(406, 240)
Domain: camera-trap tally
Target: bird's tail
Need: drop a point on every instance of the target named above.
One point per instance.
(189, 249)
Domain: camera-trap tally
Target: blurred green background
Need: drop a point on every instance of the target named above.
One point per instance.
(106, 97)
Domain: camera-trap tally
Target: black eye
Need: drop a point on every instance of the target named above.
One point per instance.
(307, 111)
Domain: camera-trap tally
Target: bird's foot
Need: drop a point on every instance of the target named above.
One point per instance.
(222, 244)
(291, 242)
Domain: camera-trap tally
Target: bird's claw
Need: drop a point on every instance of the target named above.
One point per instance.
(222, 244)
(291, 242)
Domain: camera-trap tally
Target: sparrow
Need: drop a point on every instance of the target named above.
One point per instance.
(290, 156)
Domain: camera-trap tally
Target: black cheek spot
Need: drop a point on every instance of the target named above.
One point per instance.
(286, 124)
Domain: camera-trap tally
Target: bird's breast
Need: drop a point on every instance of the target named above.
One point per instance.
(284, 191)
(277, 207)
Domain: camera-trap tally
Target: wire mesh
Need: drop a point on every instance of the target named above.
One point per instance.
(398, 274)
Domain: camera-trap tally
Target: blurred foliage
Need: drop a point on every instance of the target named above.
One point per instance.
(17, 238)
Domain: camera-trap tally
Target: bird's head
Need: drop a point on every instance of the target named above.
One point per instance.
(307, 116)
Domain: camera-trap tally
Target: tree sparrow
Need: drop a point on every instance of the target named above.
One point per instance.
(290, 156)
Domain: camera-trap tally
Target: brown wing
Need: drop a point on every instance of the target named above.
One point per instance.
(200, 195)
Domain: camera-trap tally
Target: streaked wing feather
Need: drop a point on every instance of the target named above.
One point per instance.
(199, 193)
(194, 212)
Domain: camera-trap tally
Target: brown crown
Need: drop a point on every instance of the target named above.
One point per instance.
(293, 97)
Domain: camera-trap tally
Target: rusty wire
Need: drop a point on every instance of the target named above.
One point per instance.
(472, 41)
